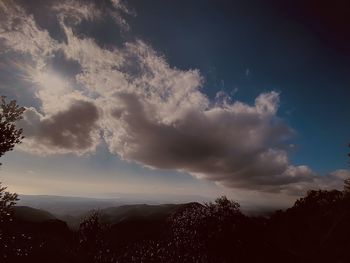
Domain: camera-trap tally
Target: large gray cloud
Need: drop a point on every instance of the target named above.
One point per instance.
(144, 109)
(72, 130)
(236, 145)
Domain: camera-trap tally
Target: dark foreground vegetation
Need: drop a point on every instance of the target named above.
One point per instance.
(315, 229)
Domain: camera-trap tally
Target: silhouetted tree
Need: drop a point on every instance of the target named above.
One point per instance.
(9, 137)
(92, 244)
(7, 239)
(318, 200)
(347, 182)
(315, 229)
(9, 134)
(7, 201)
(208, 233)
(347, 187)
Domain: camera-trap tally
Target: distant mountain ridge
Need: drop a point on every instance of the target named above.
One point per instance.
(72, 209)
(113, 215)
(77, 206)
(110, 215)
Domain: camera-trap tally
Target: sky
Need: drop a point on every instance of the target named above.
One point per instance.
(247, 99)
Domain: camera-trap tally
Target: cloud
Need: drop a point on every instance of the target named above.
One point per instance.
(144, 109)
(73, 130)
(19, 32)
(77, 11)
(236, 145)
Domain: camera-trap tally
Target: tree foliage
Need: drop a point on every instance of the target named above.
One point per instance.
(7, 201)
(347, 186)
(10, 135)
(318, 199)
(92, 245)
(207, 227)
(347, 181)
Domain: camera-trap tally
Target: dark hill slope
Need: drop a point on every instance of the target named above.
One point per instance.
(29, 214)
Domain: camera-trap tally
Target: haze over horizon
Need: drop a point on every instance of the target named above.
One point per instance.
(176, 98)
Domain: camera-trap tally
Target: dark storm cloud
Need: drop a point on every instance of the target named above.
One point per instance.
(74, 129)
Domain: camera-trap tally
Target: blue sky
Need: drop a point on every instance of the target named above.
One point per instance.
(152, 82)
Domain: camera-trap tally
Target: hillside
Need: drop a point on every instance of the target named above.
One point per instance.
(29, 214)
